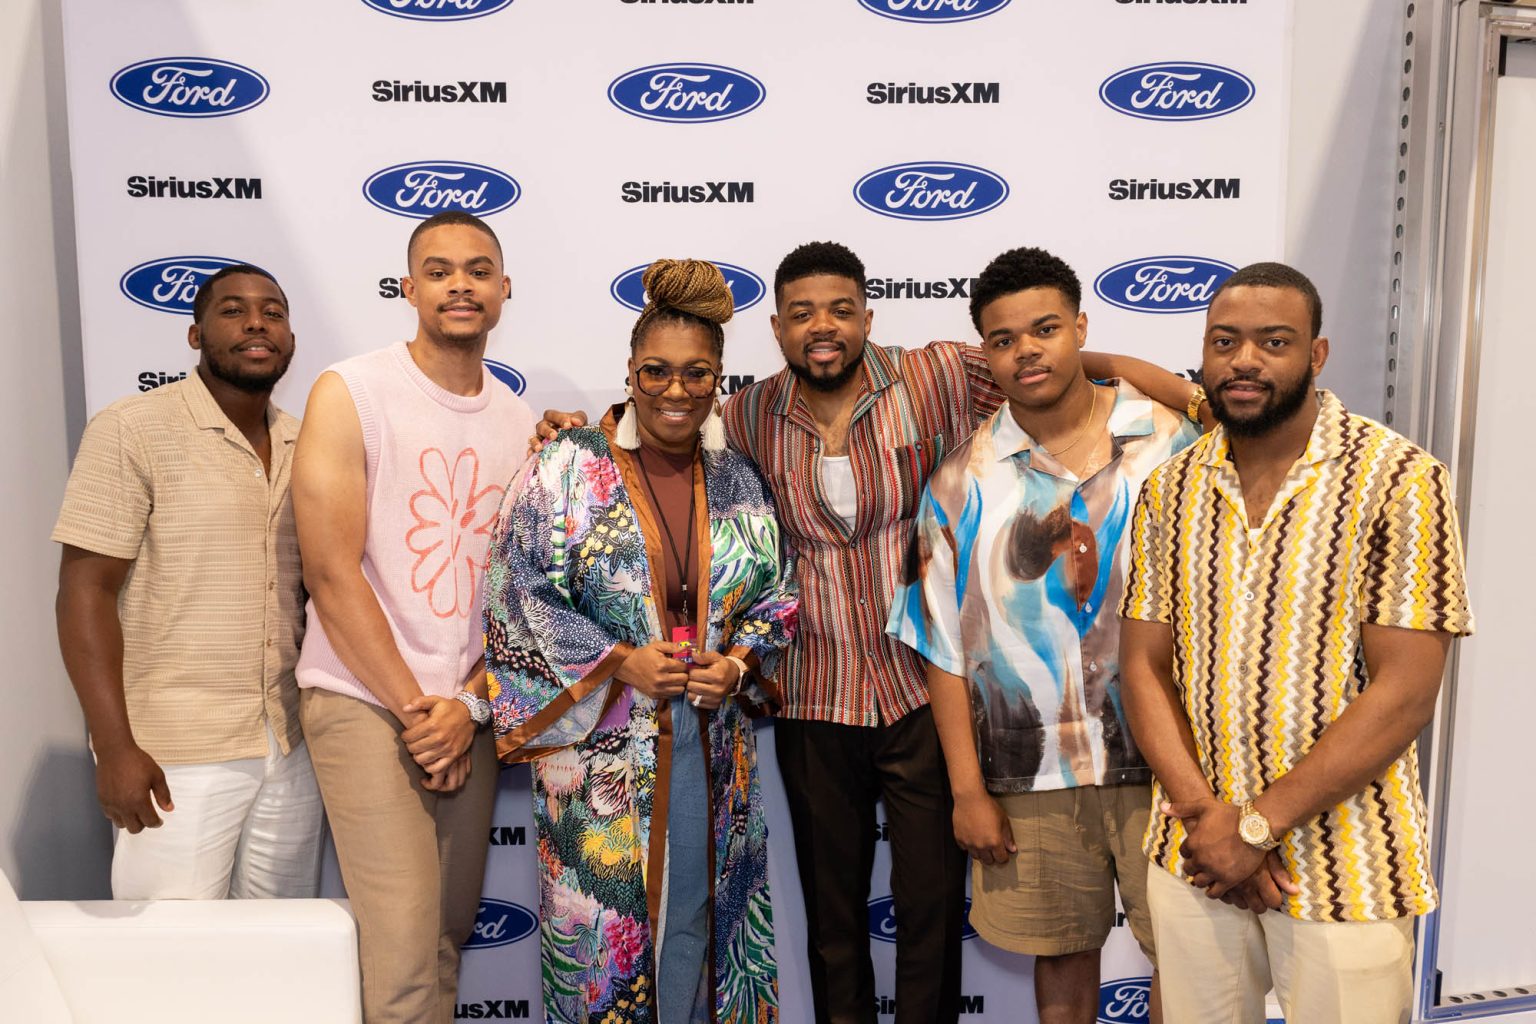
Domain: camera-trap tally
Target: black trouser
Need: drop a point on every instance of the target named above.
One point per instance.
(832, 776)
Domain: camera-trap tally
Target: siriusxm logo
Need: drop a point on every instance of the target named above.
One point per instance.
(934, 10)
(170, 284)
(882, 920)
(747, 289)
(189, 87)
(1177, 92)
(421, 189)
(500, 923)
(930, 191)
(1125, 1001)
(1163, 284)
(438, 10)
(687, 93)
(518, 383)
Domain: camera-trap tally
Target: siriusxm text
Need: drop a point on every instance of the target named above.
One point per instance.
(387, 91)
(1193, 188)
(954, 92)
(704, 192)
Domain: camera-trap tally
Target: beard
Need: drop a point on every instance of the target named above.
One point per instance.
(1284, 400)
(253, 382)
(827, 382)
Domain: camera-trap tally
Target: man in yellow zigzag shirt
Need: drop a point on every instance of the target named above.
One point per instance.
(1295, 583)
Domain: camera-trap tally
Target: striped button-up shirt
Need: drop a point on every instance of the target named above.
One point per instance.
(914, 406)
(1266, 637)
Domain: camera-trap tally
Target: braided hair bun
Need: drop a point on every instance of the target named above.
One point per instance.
(695, 287)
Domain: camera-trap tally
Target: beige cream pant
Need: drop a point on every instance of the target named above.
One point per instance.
(412, 861)
(1217, 962)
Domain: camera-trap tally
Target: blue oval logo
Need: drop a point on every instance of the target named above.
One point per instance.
(170, 284)
(1177, 92)
(431, 186)
(934, 10)
(882, 920)
(686, 93)
(1163, 284)
(499, 924)
(747, 289)
(438, 10)
(930, 191)
(189, 87)
(1125, 1001)
(507, 375)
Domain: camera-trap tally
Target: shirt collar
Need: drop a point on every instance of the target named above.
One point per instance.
(1325, 443)
(207, 415)
(1130, 417)
(879, 367)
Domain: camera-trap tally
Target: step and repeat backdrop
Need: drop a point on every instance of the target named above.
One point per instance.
(1142, 140)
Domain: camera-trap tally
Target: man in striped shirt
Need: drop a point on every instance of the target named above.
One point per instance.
(1295, 582)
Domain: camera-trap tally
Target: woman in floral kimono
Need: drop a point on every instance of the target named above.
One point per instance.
(637, 598)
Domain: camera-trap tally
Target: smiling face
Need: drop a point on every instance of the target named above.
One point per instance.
(1260, 360)
(243, 334)
(456, 284)
(1032, 340)
(821, 326)
(671, 420)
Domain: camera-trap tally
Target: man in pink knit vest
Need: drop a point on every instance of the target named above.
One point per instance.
(401, 464)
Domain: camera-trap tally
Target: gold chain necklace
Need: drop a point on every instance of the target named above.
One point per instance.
(1093, 407)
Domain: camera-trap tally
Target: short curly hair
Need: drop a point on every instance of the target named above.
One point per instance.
(1018, 270)
(814, 258)
(1278, 275)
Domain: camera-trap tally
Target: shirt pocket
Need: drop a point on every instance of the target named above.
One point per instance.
(906, 469)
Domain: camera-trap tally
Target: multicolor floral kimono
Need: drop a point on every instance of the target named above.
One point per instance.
(573, 587)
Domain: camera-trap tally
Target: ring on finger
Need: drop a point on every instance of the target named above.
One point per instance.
(696, 700)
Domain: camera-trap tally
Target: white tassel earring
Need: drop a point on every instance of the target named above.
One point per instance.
(627, 435)
(712, 435)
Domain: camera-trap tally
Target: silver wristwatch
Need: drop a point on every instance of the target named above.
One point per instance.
(479, 710)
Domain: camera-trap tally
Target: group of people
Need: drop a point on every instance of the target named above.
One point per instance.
(1089, 626)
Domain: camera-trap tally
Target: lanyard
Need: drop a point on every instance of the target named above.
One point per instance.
(684, 562)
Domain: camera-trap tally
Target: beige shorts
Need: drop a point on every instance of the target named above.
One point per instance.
(1057, 894)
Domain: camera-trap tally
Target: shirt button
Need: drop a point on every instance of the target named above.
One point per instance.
(256, 473)
(1248, 596)
(1088, 608)
(862, 601)
(1082, 548)
(1093, 666)
(269, 641)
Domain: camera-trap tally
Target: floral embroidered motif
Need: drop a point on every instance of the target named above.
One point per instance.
(450, 506)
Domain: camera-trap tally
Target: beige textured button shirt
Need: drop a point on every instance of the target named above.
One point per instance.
(213, 608)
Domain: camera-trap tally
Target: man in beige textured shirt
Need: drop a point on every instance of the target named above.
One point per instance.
(180, 611)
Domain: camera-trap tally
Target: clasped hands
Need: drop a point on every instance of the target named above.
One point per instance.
(1218, 861)
(438, 735)
(655, 671)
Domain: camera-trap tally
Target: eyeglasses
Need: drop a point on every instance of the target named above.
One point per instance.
(656, 378)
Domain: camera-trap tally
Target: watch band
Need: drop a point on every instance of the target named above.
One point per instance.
(741, 678)
(479, 708)
(1254, 829)
(1196, 400)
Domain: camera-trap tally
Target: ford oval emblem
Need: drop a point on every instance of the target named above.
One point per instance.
(1125, 1001)
(1163, 284)
(507, 375)
(438, 10)
(686, 93)
(934, 10)
(189, 87)
(747, 289)
(170, 284)
(431, 186)
(882, 920)
(500, 923)
(930, 191)
(1177, 92)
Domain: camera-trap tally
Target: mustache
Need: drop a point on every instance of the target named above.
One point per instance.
(1244, 378)
(479, 308)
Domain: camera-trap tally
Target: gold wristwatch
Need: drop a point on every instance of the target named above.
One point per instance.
(1253, 828)
(1196, 400)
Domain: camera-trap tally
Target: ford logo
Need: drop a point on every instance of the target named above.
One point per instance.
(500, 923)
(934, 10)
(189, 87)
(1177, 92)
(930, 191)
(438, 10)
(882, 920)
(687, 93)
(508, 376)
(1125, 1001)
(747, 289)
(1163, 284)
(421, 189)
(169, 285)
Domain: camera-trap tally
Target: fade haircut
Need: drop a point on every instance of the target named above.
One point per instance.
(815, 258)
(204, 296)
(1278, 275)
(447, 217)
(1019, 270)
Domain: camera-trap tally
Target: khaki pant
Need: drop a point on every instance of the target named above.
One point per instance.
(1217, 962)
(412, 860)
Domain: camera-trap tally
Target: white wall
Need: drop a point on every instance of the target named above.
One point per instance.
(53, 838)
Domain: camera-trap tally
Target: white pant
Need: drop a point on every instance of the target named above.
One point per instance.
(247, 829)
(1216, 962)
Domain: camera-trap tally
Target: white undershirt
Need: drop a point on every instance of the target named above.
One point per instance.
(837, 482)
